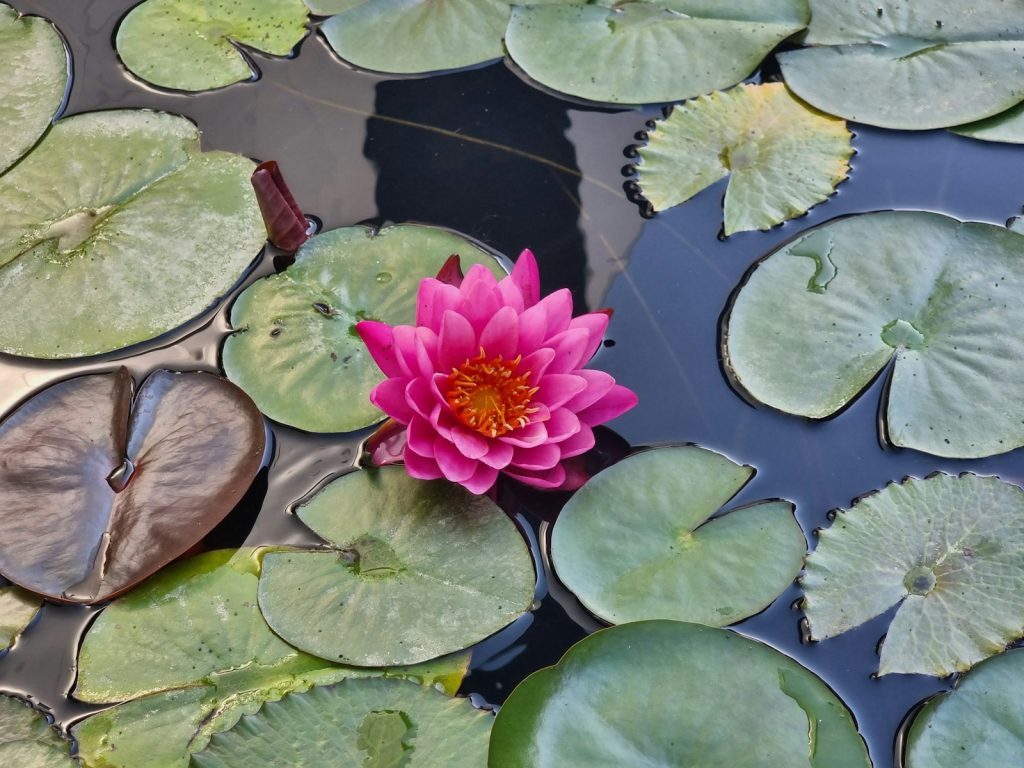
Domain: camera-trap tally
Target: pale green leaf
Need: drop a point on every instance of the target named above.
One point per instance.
(17, 609)
(27, 740)
(1006, 127)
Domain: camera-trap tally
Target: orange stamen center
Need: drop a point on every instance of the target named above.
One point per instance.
(491, 395)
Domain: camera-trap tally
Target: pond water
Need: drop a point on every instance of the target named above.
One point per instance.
(482, 152)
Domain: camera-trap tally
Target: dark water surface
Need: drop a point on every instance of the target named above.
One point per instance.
(482, 152)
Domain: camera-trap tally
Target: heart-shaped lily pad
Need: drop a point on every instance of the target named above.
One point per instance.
(664, 693)
(117, 229)
(373, 723)
(910, 64)
(649, 50)
(979, 724)
(193, 654)
(98, 491)
(193, 45)
(33, 81)
(296, 351)
(27, 740)
(947, 550)
(672, 559)
(17, 609)
(819, 318)
(1007, 127)
(781, 157)
(414, 570)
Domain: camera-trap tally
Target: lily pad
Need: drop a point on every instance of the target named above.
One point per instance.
(331, 7)
(192, 653)
(33, 81)
(980, 723)
(781, 157)
(27, 740)
(142, 233)
(413, 570)
(419, 36)
(296, 351)
(910, 64)
(822, 316)
(1007, 127)
(195, 45)
(649, 50)
(98, 490)
(17, 609)
(947, 550)
(673, 560)
(374, 723)
(665, 693)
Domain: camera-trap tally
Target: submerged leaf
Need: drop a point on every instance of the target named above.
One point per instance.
(673, 560)
(98, 490)
(33, 83)
(781, 157)
(296, 351)
(980, 723)
(415, 570)
(910, 64)
(141, 233)
(936, 298)
(193, 654)
(648, 50)
(194, 45)
(367, 723)
(665, 693)
(947, 550)
(17, 609)
(27, 740)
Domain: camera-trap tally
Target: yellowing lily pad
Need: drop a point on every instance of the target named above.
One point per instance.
(781, 157)
(195, 45)
(17, 609)
(191, 653)
(372, 723)
(34, 70)
(120, 222)
(296, 351)
(664, 693)
(980, 723)
(910, 64)
(27, 740)
(649, 50)
(947, 550)
(929, 299)
(412, 570)
(671, 559)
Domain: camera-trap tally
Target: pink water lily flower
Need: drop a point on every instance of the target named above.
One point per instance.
(490, 379)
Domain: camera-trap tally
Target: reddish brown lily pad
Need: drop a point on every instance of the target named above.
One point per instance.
(99, 490)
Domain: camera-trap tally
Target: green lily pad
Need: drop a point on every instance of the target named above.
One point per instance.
(296, 351)
(819, 318)
(27, 740)
(781, 157)
(663, 693)
(192, 654)
(371, 723)
(331, 7)
(947, 550)
(33, 84)
(418, 36)
(193, 45)
(650, 50)
(980, 723)
(675, 561)
(1006, 127)
(141, 233)
(17, 609)
(414, 570)
(910, 64)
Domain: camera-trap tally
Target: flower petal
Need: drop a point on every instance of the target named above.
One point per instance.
(380, 343)
(471, 444)
(482, 301)
(526, 276)
(569, 347)
(616, 401)
(453, 464)
(579, 443)
(536, 363)
(420, 467)
(557, 310)
(498, 454)
(532, 434)
(501, 334)
(547, 478)
(543, 456)
(420, 397)
(595, 324)
(420, 436)
(533, 327)
(389, 396)
(562, 424)
(433, 299)
(556, 389)
(405, 348)
(426, 352)
(598, 384)
(457, 341)
(482, 479)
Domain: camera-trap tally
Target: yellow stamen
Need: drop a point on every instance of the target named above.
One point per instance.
(491, 396)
